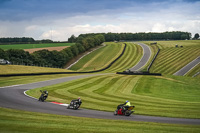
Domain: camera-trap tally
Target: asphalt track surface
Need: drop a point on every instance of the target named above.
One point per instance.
(188, 67)
(13, 97)
(145, 58)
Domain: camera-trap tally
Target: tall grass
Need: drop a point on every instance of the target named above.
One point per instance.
(161, 96)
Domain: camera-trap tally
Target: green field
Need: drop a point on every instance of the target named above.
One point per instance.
(21, 121)
(31, 46)
(160, 96)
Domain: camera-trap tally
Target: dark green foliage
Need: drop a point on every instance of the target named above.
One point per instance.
(74, 50)
(19, 56)
(17, 40)
(46, 41)
(196, 36)
(72, 39)
(80, 47)
(175, 35)
(3, 54)
(69, 52)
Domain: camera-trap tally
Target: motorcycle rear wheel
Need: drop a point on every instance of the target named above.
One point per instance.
(115, 112)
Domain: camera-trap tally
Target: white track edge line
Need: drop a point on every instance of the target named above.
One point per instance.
(48, 102)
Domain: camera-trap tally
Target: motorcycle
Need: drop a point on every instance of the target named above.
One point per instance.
(74, 104)
(124, 110)
(43, 96)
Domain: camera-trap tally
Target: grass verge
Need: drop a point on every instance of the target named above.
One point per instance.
(16, 69)
(8, 81)
(30, 46)
(23, 121)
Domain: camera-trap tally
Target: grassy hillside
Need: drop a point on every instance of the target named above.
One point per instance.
(29, 46)
(23, 121)
(104, 56)
(99, 58)
(162, 96)
(132, 55)
(172, 59)
(14, 69)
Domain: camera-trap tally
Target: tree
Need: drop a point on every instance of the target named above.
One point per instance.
(72, 39)
(3, 54)
(68, 51)
(80, 47)
(196, 36)
(74, 50)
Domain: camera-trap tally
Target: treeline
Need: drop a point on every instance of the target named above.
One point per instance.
(51, 58)
(175, 35)
(16, 40)
(22, 40)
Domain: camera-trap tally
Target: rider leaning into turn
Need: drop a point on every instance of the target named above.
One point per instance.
(45, 93)
(78, 100)
(126, 105)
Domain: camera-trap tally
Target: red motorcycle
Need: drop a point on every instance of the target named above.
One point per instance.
(124, 110)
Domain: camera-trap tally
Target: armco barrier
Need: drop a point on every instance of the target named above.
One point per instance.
(153, 59)
(50, 73)
(139, 73)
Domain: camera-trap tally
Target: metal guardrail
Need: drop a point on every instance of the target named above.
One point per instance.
(153, 60)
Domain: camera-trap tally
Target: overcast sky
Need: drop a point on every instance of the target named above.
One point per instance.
(59, 19)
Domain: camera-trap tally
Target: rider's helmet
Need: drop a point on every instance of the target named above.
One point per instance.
(126, 101)
(45, 91)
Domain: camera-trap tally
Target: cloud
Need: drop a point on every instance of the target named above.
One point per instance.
(58, 20)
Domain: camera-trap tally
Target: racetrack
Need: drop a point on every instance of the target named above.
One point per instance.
(13, 97)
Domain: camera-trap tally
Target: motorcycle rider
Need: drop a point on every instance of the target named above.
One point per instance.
(127, 103)
(77, 101)
(44, 95)
(124, 106)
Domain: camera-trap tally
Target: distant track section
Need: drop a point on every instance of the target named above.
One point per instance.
(188, 67)
(144, 59)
